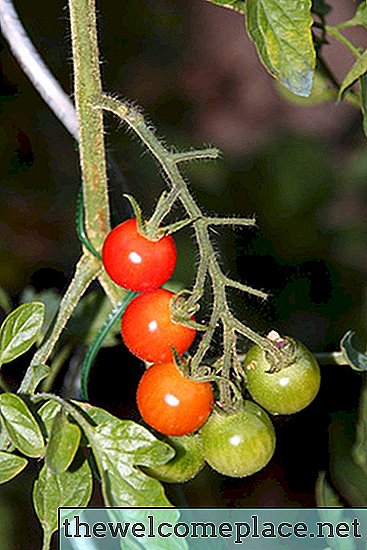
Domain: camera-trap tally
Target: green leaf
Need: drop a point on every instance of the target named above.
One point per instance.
(63, 444)
(10, 466)
(71, 488)
(21, 426)
(358, 69)
(363, 95)
(281, 31)
(19, 330)
(349, 478)
(36, 374)
(326, 497)
(322, 92)
(5, 301)
(51, 300)
(353, 357)
(47, 414)
(236, 5)
(119, 446)
(359, 451)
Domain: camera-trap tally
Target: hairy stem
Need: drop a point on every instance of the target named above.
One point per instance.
(87, 88)
(86, 271)
(167, 160)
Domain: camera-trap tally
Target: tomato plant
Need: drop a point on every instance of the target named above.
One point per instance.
(135, 262)
(288, 390)
(238, 438)
(170, 402)
(240, 443)
(149, 331)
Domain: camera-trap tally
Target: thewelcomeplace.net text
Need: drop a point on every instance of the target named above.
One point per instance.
(77, 527)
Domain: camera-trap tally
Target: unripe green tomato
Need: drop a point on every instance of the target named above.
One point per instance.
(287, 391)
(185, 465)
(238, 444)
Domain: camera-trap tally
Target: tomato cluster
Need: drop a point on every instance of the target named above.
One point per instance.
(237, 443)
(167, 400)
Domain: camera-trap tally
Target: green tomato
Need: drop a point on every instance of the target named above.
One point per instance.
(238, 444)
(185, 465)
(287, 391)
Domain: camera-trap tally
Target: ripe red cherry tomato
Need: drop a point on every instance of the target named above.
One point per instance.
(149, 331)
(171, 403)
(135, 262)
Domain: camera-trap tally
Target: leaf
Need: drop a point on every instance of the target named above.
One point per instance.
(36, 373)
(19, 330)
(71, 488)
(353, 357)
(236, 5)
(10, 466)
(119, 446)
(322, 92)
(51, 300)
(326, 497)
(63, 444)
(349, 479)
(358, 69)
(47, 413)
(363, 95)
(5, 301)
(281, 31)
(88, 318)
(21, 426)
(359, 451)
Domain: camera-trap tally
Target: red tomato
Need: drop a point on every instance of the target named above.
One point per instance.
(171, 403)
(135, 262)
(149, 331)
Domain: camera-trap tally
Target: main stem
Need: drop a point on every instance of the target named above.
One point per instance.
(88, 88)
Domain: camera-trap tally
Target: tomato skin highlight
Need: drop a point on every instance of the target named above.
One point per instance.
(171, 403)
(149, 331)
(238, 444)
(285, 392)
(135, 262)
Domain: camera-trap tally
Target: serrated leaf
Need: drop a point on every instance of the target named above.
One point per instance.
(19, 330)
(358, 69)
(119, 447)
(71, 488)
(21, 426)
(236, 5)
(10, 466)
(353, 357)
(63, 444)
(281, 31)
(325, 495)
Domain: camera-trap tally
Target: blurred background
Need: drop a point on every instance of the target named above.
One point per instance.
(301, 169)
